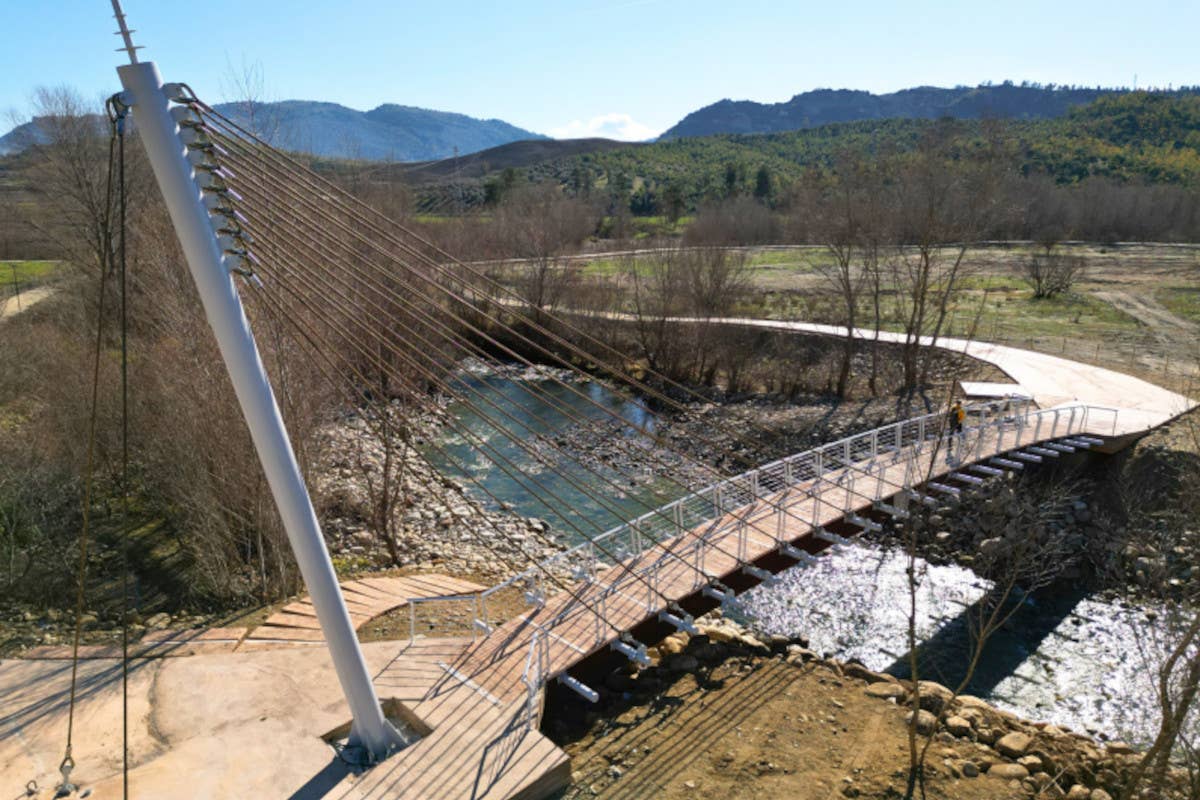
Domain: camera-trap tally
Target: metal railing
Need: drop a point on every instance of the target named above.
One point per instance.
(860, 465)
(632, 538)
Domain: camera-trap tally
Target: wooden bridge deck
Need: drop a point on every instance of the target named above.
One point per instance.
(497, 662)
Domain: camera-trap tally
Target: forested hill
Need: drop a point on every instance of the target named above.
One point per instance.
(824, 106)
(1138, 136)
(1134, 137)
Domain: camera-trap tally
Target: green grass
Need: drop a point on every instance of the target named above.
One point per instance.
(27, 274)
(1183, 301)
(1009, 311)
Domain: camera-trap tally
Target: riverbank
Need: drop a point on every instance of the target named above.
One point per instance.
(726, 714)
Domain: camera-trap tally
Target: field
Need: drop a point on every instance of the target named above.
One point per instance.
(1136, 309)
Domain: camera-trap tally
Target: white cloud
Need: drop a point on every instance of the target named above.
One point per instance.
(609, 126)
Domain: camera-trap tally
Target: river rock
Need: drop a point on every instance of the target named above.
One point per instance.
(159, 620)
(1031, 763)
(1079, 792)
(853, 670)
(969, 769)
(934, 696)
(1014, 744)
(1007, 772)
(886, 690)
(958, 726)
(926, 722)
(1100, 794)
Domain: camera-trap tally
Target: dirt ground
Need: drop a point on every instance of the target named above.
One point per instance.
(765, 728)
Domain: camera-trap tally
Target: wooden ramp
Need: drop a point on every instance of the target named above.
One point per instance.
(474, 746)
(366, 598)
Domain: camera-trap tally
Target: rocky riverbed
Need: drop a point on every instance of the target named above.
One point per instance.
(437, 523)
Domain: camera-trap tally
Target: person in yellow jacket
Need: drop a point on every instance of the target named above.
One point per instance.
(957, 415)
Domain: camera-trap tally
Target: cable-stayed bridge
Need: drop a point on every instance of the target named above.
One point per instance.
(381, 311)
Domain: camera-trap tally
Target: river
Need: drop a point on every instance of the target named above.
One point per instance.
(1077, 661)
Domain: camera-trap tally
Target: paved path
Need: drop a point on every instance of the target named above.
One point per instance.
(1050, 380)
(11, 306)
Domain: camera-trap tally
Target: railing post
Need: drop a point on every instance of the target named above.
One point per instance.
(412, 621)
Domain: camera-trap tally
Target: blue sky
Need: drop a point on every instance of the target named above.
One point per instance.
(625, 68)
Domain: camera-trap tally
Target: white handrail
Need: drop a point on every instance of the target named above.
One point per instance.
(842, 461)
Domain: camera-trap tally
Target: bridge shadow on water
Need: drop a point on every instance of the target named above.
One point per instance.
(945, 656)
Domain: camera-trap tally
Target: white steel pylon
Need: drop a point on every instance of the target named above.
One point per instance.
(166, 149)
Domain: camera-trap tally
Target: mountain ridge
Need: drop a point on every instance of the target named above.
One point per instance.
(388, 132)
(820, 107)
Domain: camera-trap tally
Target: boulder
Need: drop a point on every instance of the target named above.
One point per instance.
(926, 722)
(1007, 772)
(886, 690)
(1014, 744)
(958, 726)
(798, 655)
(720, 635)
(934, 696)
(853, 670)
(675, 643)
(1031, 763)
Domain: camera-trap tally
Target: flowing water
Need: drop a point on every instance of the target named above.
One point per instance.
(1066, 658)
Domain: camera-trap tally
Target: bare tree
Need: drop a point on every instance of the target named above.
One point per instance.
(246, 86)
(940, 207)
(539, 224)
(74, 205)
(840, 224)
(1050, 274)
